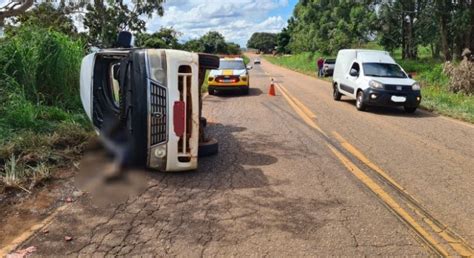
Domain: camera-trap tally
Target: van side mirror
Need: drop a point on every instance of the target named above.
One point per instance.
(354, 73)
(410, 76)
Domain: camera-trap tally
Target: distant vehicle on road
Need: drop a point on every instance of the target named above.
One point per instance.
(328, 67)
(256, 61)
(373, 78)
(231, 75)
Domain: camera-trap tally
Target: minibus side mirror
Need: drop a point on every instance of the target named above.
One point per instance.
(354, 73)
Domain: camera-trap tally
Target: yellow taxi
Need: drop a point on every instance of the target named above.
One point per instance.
(231, 75)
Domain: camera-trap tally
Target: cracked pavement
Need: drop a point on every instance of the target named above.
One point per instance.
(274, 189)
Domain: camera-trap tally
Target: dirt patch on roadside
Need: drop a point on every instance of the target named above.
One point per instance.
(19, 211)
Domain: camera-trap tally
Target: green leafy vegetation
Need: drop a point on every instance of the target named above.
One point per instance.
(429, 72)
(304, 62)
(167, 38)
(42, 124)
(445, 28)
(420, 34)
(105, 19)
(263, 41)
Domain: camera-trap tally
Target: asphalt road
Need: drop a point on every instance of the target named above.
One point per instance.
(297, 174)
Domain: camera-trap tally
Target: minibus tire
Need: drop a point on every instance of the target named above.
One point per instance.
(209, 148)
(203, 121)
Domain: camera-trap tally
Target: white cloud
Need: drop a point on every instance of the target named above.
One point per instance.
(237, 20)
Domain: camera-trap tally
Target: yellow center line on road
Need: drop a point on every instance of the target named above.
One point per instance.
(300, 112)
(364, 159)
(387, 199)
(457, 243)
(306, 110)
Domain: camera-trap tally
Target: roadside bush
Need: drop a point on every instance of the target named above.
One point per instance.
(45, 64)
(42, 124)
(434, 76)
(462, 77)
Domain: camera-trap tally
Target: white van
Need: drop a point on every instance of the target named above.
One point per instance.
(373, 78)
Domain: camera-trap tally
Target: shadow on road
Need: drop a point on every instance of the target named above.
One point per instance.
(237, 93)
(392, 111)
(228, 200)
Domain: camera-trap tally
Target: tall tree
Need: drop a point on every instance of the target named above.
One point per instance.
(213, 42)
(193, 45)
(327, 26)
(165, 38)
(263, 41)
(104, 19)
(14, 8)
(46, 15)
(283, 39)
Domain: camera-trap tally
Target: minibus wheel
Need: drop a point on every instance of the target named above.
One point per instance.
(203, 121)
(208, 148)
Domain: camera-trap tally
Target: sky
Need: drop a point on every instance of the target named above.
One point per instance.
(237, 20)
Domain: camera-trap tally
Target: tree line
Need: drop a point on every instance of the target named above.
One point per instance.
(446, 27)
(103, 20)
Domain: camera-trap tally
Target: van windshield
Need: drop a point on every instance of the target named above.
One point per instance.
(231, 65)
(383, 70)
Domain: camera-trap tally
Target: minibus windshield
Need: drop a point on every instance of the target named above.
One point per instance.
(383, 70)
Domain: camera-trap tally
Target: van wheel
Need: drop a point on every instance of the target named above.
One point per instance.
(336, 95)
(360, 101)
(410, 109)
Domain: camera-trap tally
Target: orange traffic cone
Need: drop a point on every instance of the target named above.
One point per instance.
(271, 92)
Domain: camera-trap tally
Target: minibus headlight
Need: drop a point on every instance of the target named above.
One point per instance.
(416, 86)
(375, 84)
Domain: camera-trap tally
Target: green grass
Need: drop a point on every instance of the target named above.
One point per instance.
(429, 72)
(303, 63)
(246, 59)
(206, 83)
(42, 124)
